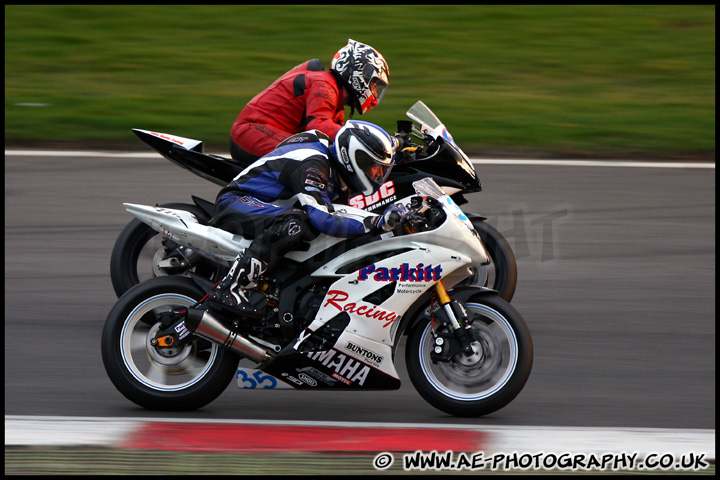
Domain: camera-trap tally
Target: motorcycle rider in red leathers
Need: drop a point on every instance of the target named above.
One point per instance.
(272, 125)
(310, 98)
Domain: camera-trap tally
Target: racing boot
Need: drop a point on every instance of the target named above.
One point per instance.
(229, 293)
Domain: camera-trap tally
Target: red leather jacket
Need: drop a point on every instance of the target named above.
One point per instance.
(305, 98)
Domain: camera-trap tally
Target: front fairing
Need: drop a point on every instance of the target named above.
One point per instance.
(443, 157)
(457, 232)
(443, 163)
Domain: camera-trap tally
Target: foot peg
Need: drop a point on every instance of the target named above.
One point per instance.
(226, 304)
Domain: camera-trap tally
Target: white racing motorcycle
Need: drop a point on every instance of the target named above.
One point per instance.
(329, 317)
(140, 253)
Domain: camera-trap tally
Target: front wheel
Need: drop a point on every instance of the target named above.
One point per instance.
(185, 377)
(487, 380)
(501, 273)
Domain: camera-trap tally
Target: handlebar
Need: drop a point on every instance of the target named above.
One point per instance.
(408, 150)
(425, 214)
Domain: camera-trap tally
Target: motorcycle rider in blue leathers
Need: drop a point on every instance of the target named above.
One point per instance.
(259, 202)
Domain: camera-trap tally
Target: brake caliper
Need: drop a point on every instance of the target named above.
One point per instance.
(173, 331)
(457, 337)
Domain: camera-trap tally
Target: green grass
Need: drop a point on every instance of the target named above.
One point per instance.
(589, 80)
(115, 461)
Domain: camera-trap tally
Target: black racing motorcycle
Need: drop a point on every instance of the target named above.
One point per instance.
(427, 150)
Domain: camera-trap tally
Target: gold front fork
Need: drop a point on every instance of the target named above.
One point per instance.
(442, 293)
(453, 320)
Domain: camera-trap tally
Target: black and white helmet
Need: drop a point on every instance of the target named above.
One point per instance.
(365, 154)
(363, 71)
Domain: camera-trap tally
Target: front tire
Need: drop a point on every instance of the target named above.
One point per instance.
(184, 378)
(501, 273)
(484, 382)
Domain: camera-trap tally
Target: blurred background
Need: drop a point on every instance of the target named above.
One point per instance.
(623, 315)
(569, 80)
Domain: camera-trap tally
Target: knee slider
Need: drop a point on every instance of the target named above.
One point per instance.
(292, 228)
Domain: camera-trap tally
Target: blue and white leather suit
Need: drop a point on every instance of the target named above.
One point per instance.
(261, 201)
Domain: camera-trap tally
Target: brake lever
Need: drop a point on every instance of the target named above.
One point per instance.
(416, 217)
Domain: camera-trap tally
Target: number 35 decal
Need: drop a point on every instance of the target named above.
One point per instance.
(251, 378)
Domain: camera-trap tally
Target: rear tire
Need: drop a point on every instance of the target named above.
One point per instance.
(133, 255)
(184, 378)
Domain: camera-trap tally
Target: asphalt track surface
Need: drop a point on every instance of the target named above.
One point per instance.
(616, 281)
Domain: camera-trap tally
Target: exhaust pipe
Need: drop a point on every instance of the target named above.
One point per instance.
(210, 328)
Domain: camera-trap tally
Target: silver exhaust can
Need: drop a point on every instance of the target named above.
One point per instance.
(204, 325)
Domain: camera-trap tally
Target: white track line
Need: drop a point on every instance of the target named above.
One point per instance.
(67, 431)
(592, 163)
(477, 161)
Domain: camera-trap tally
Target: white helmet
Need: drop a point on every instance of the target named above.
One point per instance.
(365, 154)
(364, 72)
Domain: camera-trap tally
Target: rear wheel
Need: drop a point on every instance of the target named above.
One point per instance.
(185, 377)
(141, 253)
